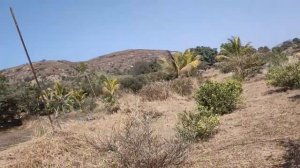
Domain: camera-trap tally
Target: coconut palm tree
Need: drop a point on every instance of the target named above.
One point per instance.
(234, 47)
(180, 64)
(235, 56)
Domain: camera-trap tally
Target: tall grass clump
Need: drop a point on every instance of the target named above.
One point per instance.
(182, 86)
(155, 91)
(219, 98)
(285, 76)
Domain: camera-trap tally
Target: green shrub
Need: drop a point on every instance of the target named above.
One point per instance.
(78, 98)
(8, 109)
(220, 98)
(182, 86)
(8, 102)
(110, 89)
(287, 76)
(28, 98)
(195, 126)
(58, 99)
(277, 58)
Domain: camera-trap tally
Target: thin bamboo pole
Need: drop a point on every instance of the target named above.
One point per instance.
(30, 63)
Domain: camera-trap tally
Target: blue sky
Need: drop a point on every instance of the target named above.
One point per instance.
(78, 30)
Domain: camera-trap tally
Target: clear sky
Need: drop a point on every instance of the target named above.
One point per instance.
(78, 30)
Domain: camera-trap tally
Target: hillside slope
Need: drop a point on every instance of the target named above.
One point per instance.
(262, 132)
(258, 134)
(118, 62)
(122, 62)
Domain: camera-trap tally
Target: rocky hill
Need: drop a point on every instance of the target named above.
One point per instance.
(118, 62)
(121, 62)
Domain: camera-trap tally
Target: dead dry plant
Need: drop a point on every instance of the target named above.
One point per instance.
(136, 146)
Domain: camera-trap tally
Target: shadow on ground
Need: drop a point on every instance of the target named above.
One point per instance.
(291, 158)
(295, 98)
(277, 90)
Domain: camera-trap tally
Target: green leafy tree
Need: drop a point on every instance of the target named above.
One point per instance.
(296, 40)
(207, 54)
(9, 109)
(264, 49)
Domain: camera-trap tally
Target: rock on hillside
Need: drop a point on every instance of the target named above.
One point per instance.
(117, 62)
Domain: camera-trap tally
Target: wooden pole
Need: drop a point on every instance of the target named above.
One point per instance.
(30, 63)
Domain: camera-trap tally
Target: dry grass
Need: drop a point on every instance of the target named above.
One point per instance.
(249, 137)
(182, 86)
(136, 146)
(62, 149)
(155, 91)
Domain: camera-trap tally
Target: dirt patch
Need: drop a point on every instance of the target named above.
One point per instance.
(11, 137)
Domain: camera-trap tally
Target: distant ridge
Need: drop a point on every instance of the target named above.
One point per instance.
(117, 62)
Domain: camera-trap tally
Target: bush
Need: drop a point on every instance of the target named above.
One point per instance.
(110, 89)
(243, 66)
(28, 98)
(287, 76)
(134, 83)
(58, 99)
(9, 109)
(219, 98)
(159, 76)
(89, 104)
(145, 67)
(182, 86)
(207, 54)
(195, 126)
(136, 146)
(277, 58)
(155, 91)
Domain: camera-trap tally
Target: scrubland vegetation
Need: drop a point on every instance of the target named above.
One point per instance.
(91, 139)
